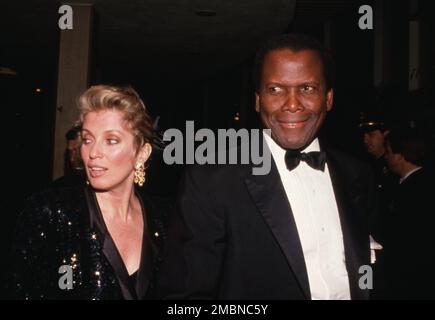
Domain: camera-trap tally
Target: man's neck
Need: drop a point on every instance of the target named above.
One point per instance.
(380, 154)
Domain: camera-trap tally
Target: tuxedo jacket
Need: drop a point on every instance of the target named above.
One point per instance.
(233, 235)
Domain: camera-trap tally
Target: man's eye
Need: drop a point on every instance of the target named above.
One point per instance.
(308, 88)
(275, 89)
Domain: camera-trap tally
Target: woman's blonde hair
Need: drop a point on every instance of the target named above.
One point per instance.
(125, 100)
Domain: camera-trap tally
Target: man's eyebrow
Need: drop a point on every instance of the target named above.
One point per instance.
(311, 82)
(274, 83)
(304, 83)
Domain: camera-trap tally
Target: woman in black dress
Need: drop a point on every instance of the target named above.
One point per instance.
(100, 240)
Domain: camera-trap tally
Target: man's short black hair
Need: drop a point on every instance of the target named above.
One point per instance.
(409, 144)
(371, 121)
(295, 42)
(72, 133)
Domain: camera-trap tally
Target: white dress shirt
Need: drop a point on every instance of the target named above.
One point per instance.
(312, 200)
(408, 174)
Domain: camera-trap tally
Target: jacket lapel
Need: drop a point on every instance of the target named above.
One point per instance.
(148, 252)
(355, 239)
(109, 248)
(269, 196)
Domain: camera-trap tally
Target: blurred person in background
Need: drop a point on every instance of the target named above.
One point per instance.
(410, 239)
(73, 165)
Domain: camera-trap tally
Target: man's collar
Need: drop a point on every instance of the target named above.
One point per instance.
(408, 174)
(276, 148)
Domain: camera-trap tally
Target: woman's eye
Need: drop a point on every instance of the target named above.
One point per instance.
(86, 141)
(112, 141)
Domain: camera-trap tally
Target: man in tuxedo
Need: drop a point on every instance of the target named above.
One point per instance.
(410, 241)
(298, 232)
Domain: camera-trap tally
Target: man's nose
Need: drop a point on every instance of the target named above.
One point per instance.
(293, 102)
(366, 138)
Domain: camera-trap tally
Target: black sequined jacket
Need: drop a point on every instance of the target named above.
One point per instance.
(56, 234)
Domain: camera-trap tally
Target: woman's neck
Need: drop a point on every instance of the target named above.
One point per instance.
(117, 204)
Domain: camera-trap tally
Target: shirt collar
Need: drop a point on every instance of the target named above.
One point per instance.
(276, 149)
(278, 152)
(408, 174)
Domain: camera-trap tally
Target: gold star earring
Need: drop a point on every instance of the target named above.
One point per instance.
(139, 174)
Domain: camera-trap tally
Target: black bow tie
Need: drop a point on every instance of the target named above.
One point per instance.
(315, 159)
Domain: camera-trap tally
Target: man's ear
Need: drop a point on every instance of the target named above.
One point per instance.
(386, 132)
(329, 99)
(257, 102)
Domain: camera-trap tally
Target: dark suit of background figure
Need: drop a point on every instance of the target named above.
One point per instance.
(386, 183)
(75, 178)
(65, 227)
(374, 130)
(234, 235)
(410, 245)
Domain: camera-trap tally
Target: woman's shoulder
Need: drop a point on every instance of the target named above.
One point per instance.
(56, 195)
(49, 204)
(53, 193)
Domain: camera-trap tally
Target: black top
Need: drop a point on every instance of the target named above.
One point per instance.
(133, 278)
(148, 251)
(63, 228)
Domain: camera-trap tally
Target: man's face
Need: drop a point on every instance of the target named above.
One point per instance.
(292, 98)
(73, 153)
(374, 143)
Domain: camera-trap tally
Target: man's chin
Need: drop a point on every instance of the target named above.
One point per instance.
(287, 141)
(292, 144)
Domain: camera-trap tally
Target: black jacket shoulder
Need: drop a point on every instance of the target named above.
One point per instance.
(53, 229)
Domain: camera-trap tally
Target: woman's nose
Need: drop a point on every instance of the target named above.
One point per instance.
(95, 151)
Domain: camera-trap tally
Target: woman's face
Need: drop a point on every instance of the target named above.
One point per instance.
(108, 150)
